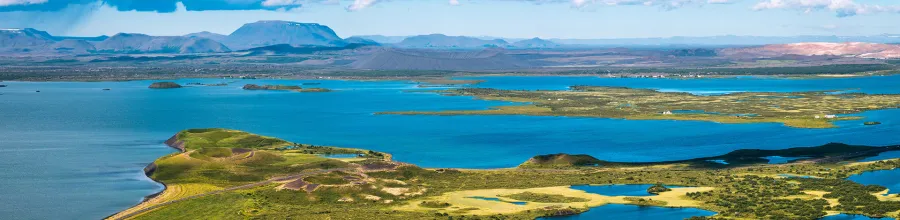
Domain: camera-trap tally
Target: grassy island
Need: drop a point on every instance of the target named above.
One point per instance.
(284, 88)
(227, 174)
(164, 85)
(795, 109)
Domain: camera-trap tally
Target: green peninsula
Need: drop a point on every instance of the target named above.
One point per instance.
(228, 174)
(795, 109)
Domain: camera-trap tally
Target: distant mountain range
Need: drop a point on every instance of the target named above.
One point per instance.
(727, 40)
(406, 59)
(444, 41)
(307, 35)
(854, 49)
(142, 43)
(33, 41)
(534, 43)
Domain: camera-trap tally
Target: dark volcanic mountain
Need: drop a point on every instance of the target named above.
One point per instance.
(208, 35)
(24, 40)
(267, 33)
(449, 42)
(534, 43)
(73, 46)
(398, 59)
(141, 43)
(281, 49)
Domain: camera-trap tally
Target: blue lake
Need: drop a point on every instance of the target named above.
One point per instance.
(718, 161)
(76, 151)
(619, 211)
(883, 156)
(617, 189)
(886, 178)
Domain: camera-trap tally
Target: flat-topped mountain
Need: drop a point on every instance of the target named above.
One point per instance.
(24, 40)
(142, 43)
(267, 33)
(449, 42)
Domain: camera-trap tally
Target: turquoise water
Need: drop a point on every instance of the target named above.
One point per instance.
(883, 156)
(617, 189)
(781, 160)
(886, 178)
(75, 151)
(852, 217)
(718, 161)
(619, 211)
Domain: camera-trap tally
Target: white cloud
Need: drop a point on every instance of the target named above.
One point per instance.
(21, 2)
(842, 8)
(276, 3)
(720, 1)
(360, 4)
(665, 4)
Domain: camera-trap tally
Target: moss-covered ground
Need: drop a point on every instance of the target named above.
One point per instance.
(268, 178)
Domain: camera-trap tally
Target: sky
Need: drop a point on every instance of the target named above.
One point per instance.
(570, 19)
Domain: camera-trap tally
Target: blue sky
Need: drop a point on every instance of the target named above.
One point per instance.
(503, 18)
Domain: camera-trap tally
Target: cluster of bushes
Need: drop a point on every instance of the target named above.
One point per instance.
(853, 197)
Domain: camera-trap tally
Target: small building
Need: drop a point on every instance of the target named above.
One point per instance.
(667, 113)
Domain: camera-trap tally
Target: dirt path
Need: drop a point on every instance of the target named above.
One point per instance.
(247, 186)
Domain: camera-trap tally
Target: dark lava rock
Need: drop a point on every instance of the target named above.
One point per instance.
(658, 188)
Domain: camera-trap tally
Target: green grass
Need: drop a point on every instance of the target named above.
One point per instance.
(434, 204)
(746, 192)
(210, 138)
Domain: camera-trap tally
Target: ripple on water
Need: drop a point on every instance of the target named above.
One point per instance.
(886, 178)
